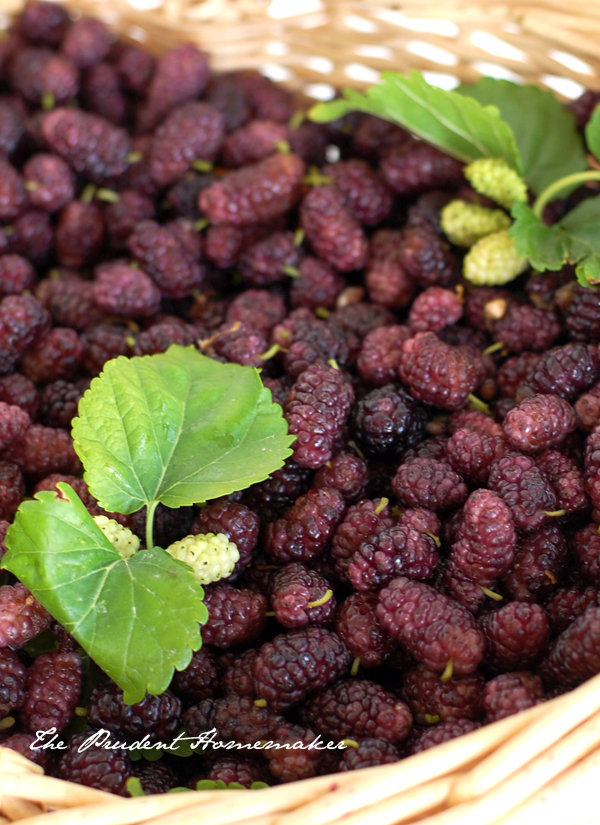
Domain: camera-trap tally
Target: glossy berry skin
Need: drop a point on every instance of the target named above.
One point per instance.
(13, 423)
(487, 539)
(397, 551)
(539, 565)
(235, 617)
(155, 777)
(364, 191)
(388, 284)
(295, 663)
(516, 636)
(162, 255)
(568, 603)
(191, 132)
(574, 656)
(53, 686)
(262, 263)
(587, 409)
(242, 771)
(235, 718)
(12, 489)
(438, 734)
(332, 230)
(13, 677)
(122, 290)
(253, 142)
(100, 768)
(471, 453)
(386, 421)
(566, 371)
(357, 707)
(87, 41)
(157, 716)
(12, 192)
(358, 627)
(425, 482)
(36, 72)
(526, 328)
(347, 472)
(237, 677)
(292, 765)
(582, 316)
(370, 752)
(517, 480)
(427, 696)
(44, 450)
(539, 423)
(22, 320)
(293, 588)
(22, 617)
(426, 258)
(511, 693)
(318, 285)
(256, 193)
(436, 373)
(79, 234)
(567, 481)
(91, 146)
(259, 308)
(413, 167)
(306, 529)
(316, 409)
(21, 743)
(50, 182)
(200, 679)
(380, 355)
(362, 522)
(430, 626)
(57, 355)
(434, 309)
(514, 372)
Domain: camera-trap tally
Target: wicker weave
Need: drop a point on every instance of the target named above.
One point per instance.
(507, 773)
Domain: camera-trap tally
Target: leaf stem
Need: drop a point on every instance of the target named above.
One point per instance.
(550, 192)
(150, 524)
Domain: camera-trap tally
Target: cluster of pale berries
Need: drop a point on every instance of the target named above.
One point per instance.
(211, 556)
(492, 258)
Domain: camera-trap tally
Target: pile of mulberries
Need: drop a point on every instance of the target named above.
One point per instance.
(428, 560)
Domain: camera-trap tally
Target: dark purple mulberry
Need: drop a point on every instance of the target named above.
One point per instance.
(332, 230)
(538, 566)
(53, 686)
(13, 196)
(381, 352)
(438, 734)
(436, 630)
(397, 551)
(120, 289)
(43, 22)
(262, 264)
(517, 479)
(586, 549)
(12, 489)
(22, 617)
(293, 590)
(106, 769)
(357, 707)
(102, 93)
(316, 410)
(427, 258)
(516, 636)
(159, 717)
(582, 316)
(568, 603)
(370, 752)
(388, 284)
(428, 697)
(200, 679)
(306, 529)
(471, 453)
(347, 473)
(567, 481)
(79, 234)
(122, 216)
(511, 693)
(90, 144)
(235, 617)
(539, 423)
(40, 73)
(238, 675)
(87, 41)
(526, 328)
(411, 167)
(49, 181)
(575, 655)
(358, 627)
(566, 371)
(241, 771)
(101, 343)
(317, 286)
(364, 191)
(238, 522)
(163, 256)
(13, 677)
(587, 409)
(13, 423)
(256, 193)
(191, 132)
(363, 522)
(434, 309)
(425, 482)
(155, 777)
(386, 421)
(298, 662)
(258, 308)
(437, 373)
(44, 450)
(253, 142)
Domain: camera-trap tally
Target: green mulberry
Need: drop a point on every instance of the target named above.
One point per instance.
(121, 538)
(211, 557)
(466, 223)
(495, 179)
(493, 261)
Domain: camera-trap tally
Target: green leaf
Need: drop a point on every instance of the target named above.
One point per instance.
(454, 123)
(546, 133)
(592, 133)
(575, 239)
(138, 618)
(544, 246)
(178, 428)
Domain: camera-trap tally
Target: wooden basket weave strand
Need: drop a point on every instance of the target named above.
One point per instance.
(506, 773)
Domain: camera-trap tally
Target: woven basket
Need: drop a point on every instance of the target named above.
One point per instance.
(540, 764)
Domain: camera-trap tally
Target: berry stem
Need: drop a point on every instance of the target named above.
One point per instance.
(383, 503)
(134, 786)
(150, 524)
(324, 598)
(260, 703)
(355, 666)
(7, 722)
(448, 671)
(490, 593)
(432, 720)
(350, 743)
(550, 192)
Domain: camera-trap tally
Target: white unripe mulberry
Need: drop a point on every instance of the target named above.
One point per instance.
(121, 538)
(212, 557)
